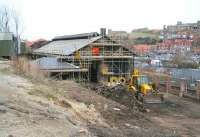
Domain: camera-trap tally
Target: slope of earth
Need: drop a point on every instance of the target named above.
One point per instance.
(31, 108)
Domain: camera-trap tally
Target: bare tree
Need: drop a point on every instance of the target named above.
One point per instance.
(10, 21)
(183, 60)
(4, 20)
(17, 25)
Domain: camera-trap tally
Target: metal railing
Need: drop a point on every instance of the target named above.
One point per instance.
(107, 53)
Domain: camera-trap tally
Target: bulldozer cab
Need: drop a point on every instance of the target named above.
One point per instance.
(138, 79)
(142, 83)
(141, 79)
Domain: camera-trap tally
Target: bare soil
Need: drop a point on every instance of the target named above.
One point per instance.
(181, 114)
(45, 108)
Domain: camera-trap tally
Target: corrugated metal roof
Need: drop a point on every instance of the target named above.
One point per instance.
(77, 36)
(6, 36)
(65, 47)
(52, 63)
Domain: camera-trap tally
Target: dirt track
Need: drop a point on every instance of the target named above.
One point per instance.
(30, 108)
(178, 113)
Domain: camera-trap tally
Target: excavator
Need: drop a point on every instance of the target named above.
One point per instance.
(143, 89)
(136, 89)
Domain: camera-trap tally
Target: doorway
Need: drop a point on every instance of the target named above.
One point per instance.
(94, 72)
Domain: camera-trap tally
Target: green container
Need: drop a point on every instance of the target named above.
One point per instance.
(7, 48)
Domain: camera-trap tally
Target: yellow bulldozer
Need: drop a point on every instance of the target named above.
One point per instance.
(144, 90)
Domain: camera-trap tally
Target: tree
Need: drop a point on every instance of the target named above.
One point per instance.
(10, 21)
(17, 25)
(4, 20)
(182, 60)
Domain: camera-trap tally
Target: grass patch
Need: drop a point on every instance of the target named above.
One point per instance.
(63, 103)
(50, 97)
(143, 34)
(42, 94)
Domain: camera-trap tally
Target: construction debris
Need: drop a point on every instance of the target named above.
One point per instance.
(116, 109)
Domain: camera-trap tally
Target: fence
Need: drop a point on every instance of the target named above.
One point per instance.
(176, 86)
(192, 75)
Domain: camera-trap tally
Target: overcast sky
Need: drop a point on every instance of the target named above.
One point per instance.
(49, 18)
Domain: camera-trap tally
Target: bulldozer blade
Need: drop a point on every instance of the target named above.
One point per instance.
(154, 99)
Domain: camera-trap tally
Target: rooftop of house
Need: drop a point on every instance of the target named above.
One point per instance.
(66, 45)
(142, 47)
(53, 63)
(77, 36)
(28, 43)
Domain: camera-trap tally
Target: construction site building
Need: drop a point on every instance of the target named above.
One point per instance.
(92, 57)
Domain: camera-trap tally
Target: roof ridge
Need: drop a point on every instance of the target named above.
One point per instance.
(77, 36)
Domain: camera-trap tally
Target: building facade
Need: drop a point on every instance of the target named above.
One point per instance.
(194, 27)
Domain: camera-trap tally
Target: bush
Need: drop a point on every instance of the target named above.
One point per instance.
(24, 66)
(192, 65)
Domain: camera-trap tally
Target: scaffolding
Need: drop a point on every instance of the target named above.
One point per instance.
(112, 60)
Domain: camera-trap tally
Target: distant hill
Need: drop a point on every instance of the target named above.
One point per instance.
(137, 36)
(134, 35)
(143, 37)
